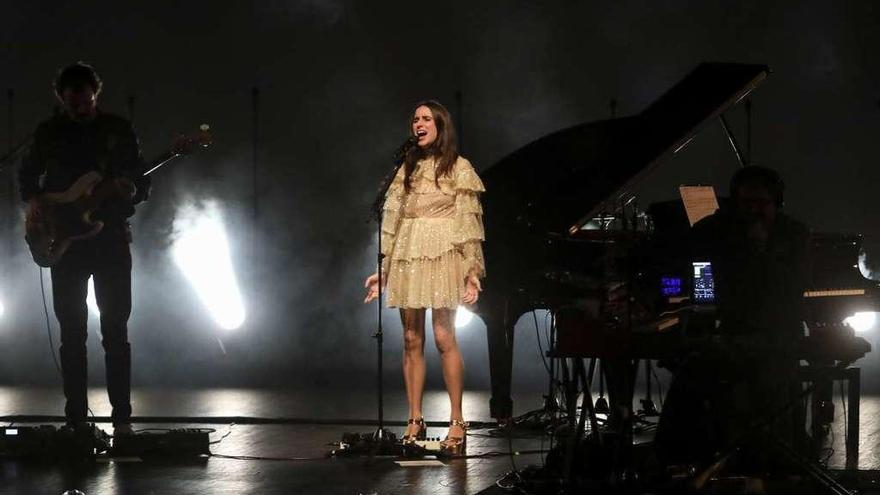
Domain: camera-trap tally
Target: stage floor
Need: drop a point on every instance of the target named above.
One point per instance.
(319, 418)
(353, 411)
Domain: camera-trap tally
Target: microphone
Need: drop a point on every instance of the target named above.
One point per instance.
(401, 151)
(399, 157)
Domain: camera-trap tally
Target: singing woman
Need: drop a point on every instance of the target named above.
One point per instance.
(432, 234)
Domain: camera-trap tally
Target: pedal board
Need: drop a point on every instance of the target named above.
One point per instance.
(48, 442)
(171, 443)
(429, 447)
(429, 444)
(28, 441)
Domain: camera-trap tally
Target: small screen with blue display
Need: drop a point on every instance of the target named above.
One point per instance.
(670, 286)
(704, 284)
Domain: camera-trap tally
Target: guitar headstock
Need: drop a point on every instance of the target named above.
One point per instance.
(186, 144)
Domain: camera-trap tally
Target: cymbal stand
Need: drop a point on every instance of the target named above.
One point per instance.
(576, 382)
(648, 406)
(601, 402)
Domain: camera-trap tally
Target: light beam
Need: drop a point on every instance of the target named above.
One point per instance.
(462, 317)
(91, 302)
(862, 321)
(201, 251)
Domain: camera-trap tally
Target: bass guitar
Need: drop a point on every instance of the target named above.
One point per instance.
(66, 217)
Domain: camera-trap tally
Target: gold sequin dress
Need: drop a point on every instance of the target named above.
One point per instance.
(431, 237)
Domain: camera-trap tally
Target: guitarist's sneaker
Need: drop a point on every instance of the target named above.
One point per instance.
(72, 428)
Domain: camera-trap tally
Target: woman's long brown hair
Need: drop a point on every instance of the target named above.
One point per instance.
(444, 149)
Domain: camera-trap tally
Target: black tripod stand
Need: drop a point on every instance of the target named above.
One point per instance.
(381, 441)
(761, 427)
(649, 409)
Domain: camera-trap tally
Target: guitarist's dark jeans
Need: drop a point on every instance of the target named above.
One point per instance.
(107, 258)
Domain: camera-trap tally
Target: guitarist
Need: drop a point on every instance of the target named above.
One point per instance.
(79, 139)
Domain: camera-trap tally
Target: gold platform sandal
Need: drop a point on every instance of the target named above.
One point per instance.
(455, 445)
(420, 435)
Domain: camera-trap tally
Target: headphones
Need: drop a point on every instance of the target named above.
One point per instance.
(759, 176)
(77, 74)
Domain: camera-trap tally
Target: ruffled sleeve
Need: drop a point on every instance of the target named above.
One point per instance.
(392, 212)
(468, 223)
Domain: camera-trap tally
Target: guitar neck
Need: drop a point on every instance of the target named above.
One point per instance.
(159, 161)
(183, 145)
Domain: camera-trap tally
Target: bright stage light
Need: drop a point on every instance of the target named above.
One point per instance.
(201, 251)
(462, 317)
(91, 302)
(2, 309)
(863, 266)
(862, 321)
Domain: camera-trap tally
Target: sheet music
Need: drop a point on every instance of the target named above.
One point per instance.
(699, 202)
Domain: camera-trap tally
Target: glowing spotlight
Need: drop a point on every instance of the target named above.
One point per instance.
(462, 317)
(201, 251)
(863, 266)
(862, 321)
(2, 309)
(91, 302)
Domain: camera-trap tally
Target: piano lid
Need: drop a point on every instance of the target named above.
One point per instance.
(560, 181)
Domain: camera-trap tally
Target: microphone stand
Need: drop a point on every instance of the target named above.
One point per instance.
(380, 442)
(14, 152)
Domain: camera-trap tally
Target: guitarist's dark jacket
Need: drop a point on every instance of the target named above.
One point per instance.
(64, 150)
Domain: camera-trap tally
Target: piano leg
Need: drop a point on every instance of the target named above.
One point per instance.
(499, 329)
(854, 395)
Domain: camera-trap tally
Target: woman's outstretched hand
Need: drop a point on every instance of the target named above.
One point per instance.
(472, 289)
(372, 286)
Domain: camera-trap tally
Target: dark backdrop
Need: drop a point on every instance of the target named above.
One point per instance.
(337, 80)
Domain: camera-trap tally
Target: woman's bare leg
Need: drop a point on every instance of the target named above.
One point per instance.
(443, 321)
(413, 361)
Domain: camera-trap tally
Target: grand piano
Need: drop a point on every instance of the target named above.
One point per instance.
(541, 199)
